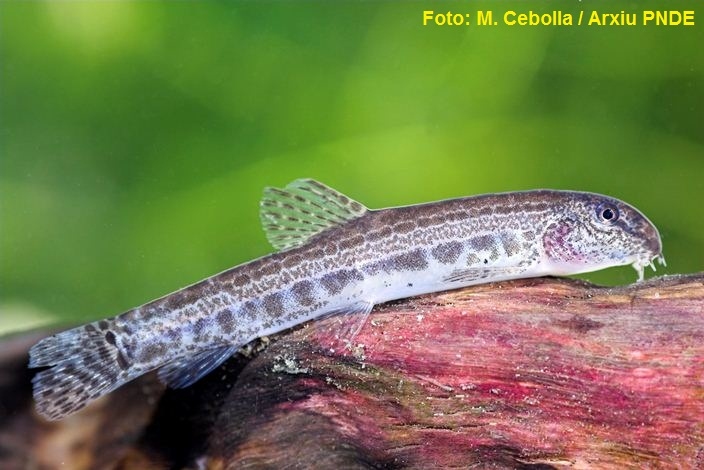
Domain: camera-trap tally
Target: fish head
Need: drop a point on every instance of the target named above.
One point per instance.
(594, 232)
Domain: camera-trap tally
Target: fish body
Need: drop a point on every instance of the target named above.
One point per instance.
(337, 256)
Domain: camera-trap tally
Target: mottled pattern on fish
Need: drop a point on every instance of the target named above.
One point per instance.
(339, 257)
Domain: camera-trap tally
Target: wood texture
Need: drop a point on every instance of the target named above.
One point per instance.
(537, 373)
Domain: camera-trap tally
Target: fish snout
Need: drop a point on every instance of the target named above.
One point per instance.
(652, 240)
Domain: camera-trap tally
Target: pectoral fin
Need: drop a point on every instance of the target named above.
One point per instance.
(349, 320)
(483, 274)
(188, 370)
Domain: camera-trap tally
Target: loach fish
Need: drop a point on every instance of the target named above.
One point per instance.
(336, 256)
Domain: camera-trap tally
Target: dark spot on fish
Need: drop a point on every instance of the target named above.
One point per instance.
(273, 303)
(110, 337)
(181, 298)
(199, 326)
(103, 325)
(350, 242)
(482, 242)
(410, 284)
(225, 318)
(174, 335)
(330, 249)
(379, 234)
(486, 261)
(249, 310)
(472, 259)
(90, 328)
(291, 260)
(241, 280)
(334, 282)
(510, 244)
(374, 268)
(268, 269)
(121, 361)
(447, 253)
(345, 243)
(303, 292)
(412, 261)
(404, 227)
(152, 352)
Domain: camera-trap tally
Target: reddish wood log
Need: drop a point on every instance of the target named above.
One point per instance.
(537, 373)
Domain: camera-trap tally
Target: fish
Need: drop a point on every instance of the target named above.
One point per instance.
(335, 256)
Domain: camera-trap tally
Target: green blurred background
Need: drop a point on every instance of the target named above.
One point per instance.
(136, 136)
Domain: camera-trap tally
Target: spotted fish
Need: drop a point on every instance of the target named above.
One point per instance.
(336, 256)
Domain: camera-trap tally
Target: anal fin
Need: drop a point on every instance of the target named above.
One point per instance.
(186, 371)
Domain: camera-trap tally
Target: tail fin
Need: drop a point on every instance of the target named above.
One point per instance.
(84, 364)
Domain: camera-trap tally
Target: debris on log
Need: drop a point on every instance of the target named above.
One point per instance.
(535, 373)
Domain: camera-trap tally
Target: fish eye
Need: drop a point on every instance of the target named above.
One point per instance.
(607, 213)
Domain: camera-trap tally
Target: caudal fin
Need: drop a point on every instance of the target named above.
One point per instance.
(84, 364)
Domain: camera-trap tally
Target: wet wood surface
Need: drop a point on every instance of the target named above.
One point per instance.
(538, 373)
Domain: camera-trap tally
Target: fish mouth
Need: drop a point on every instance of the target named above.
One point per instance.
(648, 260)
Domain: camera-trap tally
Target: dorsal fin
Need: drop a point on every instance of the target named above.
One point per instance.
(292, 215)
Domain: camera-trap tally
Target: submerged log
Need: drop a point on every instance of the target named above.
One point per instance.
(536, 373)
